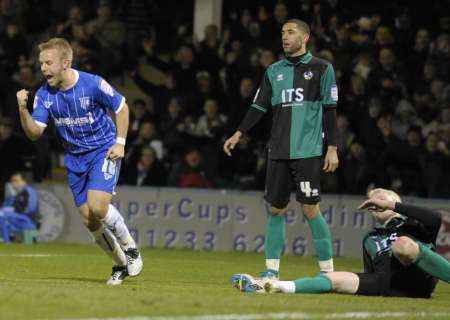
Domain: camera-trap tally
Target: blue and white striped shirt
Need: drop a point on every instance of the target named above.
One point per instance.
(79, 113)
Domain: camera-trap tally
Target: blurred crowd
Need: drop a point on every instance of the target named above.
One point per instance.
(186, 96)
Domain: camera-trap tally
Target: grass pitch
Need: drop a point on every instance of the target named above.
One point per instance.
(57, 281)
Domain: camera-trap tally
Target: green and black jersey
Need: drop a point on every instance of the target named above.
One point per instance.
(418, 223)
(297, 94)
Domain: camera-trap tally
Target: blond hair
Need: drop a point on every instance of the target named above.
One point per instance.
(61, 45)
(394, 195)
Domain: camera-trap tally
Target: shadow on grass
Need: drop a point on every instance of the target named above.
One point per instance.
(77, 279)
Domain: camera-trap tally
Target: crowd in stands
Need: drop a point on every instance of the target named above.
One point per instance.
(186, 96)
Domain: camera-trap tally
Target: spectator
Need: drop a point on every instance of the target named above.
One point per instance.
(110, 33)
(433, 166)
(353, 175)
(147, 171)
(174, 128)
(75, 19)
(14, 45)
(387, 78)
(190, 172)
(138, 114)
(19, 211)
(405, 116)
(148, 135)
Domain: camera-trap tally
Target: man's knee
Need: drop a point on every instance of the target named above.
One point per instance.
(343, 282)
(277, 211)
(405, 250)
(88, 218)
(98, 207)
(310, 210)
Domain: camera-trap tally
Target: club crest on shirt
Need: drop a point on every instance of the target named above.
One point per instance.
(106, 88)
(308, 75)
(48, 104)
(84, 102)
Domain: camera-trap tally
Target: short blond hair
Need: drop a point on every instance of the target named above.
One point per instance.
(60, 44)
(394, 195)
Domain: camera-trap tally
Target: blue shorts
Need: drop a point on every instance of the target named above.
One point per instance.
(91, 171)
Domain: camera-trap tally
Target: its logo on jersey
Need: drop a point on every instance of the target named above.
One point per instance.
(71, 122)
(106, 88)
(84, 102)
(292, 95)
(48, 104)
(308, 75)
(280, 77)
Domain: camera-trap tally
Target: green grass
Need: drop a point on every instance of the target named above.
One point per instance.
(71, 284)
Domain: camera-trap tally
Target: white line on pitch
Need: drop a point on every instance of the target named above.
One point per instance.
(287, 315)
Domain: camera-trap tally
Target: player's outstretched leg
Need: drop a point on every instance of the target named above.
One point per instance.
(321, 237)
(275, 236)
(340, 282)
(115, 222)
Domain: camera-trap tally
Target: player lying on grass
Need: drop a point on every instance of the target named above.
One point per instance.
(399, 260)
(78, 104)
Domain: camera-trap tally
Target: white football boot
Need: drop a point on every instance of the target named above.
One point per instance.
(134, 261)
(118, 274)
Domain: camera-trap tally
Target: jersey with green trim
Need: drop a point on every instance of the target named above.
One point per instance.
(297, 94)
(377, 244)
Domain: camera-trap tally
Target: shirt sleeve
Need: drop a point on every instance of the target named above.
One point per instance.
(328, 88)
(107, 96)
(263, 97)
(40, 113)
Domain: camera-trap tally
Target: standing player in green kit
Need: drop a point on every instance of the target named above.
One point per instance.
(302, 91)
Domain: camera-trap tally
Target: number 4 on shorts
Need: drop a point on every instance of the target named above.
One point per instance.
(305, 187)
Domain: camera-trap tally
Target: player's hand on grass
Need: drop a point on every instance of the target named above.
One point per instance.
(377, 205)
(22, 98)
(231, 142)
(331, 160)
(116, 152)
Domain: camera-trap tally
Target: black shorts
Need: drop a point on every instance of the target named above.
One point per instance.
(410, 282)
(283, 175)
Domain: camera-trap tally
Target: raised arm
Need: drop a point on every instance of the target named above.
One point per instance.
(32, 129)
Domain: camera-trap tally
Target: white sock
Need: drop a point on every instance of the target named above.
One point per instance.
(273, 264)
(326, 265)
(287, 286)
(114, 222)
(106, 240)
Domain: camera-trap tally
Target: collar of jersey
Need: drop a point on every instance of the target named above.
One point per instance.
(77, 77)
(305, 60)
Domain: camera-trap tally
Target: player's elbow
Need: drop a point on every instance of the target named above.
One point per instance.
(34, 135)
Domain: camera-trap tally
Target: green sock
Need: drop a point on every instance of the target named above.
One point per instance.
(275, 235)
(433, 263)
(319, 284)
(321, 237)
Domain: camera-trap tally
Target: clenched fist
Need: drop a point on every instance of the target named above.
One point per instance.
(22, 98)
